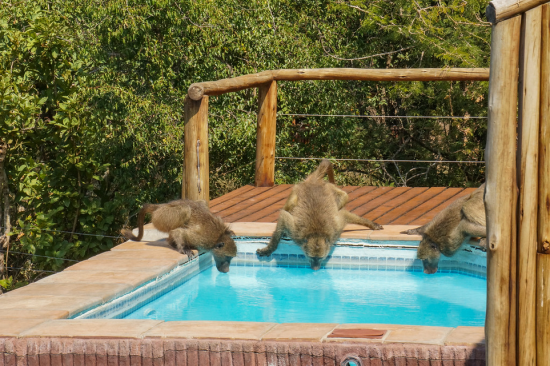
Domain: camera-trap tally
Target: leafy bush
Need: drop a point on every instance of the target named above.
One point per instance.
(91, 108)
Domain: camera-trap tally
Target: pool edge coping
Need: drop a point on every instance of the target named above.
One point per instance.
(17, 329)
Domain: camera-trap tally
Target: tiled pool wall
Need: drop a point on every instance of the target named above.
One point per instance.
(363, 254)
(348, 254)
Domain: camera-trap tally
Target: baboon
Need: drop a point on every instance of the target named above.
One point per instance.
(313, 216)
(457, 223)
(190, 225)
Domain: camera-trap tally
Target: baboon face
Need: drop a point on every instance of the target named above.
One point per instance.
(429, 252)
(224, 251)
(316, 249)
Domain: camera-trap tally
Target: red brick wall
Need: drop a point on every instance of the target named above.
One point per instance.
(189, 352)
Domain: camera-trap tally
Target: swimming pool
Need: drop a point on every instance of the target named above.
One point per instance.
(362, 282)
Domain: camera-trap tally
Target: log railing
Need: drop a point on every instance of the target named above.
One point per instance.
(517, 193)
(195, 176)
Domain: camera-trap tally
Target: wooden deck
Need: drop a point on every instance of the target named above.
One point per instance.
(384, 205)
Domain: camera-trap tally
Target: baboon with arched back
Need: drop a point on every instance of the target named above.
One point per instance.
(190, 225)
(460, 221)
(313, 216)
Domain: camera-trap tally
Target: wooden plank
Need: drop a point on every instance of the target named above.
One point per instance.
(446, 194)
(357, 193)
(196, 177)
(245, 203)
(396, 203)
(276, 204)
(237, 199)
(274, 212)
(527, 169)
(265, 135)
(500, 188)
(399, 210)
(251, 206)
(368, 196)
(371, 205)
(348, 189)
(424, 219)
(232, 194)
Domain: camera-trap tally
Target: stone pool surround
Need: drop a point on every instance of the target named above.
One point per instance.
(34, 329)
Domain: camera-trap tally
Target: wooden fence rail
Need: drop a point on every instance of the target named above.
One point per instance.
(197, 90)
(196, 116)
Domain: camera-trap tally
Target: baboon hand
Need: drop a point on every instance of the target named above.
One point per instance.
(483, 242)
(377, 226)
(264, 252)
(188, 252)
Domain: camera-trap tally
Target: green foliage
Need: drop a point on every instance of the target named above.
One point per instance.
(92, 91)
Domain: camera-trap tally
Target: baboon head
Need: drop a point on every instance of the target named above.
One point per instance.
(429, 252)
(316, 249)
(224, 250)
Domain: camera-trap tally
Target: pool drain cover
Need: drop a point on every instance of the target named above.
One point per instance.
(351, 361)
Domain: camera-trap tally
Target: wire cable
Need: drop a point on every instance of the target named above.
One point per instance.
(388, 160)
(75, 233)
(363, 116)
(30, 269)
(37, 255)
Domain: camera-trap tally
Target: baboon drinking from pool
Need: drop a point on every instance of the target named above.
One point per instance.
(190, 225)
(460, 221)
(313, 216)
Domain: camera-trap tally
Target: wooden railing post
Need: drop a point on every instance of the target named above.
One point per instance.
(195, 169)
(528, 151)
(265, 135)
(543, 256)
(500, 194)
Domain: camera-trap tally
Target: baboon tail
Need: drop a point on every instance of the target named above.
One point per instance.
(325, 168)
(148, 208)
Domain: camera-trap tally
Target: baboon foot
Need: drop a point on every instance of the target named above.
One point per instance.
(411, 232)
(264, 252)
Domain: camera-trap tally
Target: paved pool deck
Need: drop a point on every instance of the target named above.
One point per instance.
(34, 329)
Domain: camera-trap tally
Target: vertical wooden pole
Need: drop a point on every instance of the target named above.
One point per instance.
(544, 141)
(500, 325)
(196, 170)
(543, 258)
(528, 136)
(543, 309)
(265, 135)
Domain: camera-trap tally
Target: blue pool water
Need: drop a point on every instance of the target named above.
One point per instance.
(288, 295)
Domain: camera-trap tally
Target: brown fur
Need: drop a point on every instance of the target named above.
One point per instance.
(313, 216)
(459, 222)
(190, 225)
